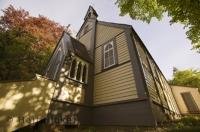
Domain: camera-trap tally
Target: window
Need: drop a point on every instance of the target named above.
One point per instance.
(190, 102)
(58, 61)
(84, 74)
(78, 71)
(78, 75)
(109, 57)
(73, 68)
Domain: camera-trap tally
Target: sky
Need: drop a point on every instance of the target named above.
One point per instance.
(167, 43)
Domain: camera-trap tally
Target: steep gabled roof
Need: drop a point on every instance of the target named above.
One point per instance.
(66, 45)
(118, 25)
(90, 10)
(80, 50)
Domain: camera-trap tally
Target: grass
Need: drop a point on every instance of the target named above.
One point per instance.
(186, 124)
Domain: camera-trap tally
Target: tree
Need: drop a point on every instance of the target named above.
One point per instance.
(189, 77)
(26, 42)
(186, 12)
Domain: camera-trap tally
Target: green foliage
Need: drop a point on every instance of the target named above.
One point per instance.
(26, 43)
(186, 12)
(188, 77)
(185, 124)
(17, 59)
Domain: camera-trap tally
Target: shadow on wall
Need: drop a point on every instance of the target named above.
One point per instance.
(23, 103)
(68, 91)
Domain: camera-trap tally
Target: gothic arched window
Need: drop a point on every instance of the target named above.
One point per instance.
(78, 74)
(84, 74)
(73, 68)
(109, 57)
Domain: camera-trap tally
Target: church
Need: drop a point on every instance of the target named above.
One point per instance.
(106, 76)
(103, 77)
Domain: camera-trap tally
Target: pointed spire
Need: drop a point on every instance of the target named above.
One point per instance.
(91, 13)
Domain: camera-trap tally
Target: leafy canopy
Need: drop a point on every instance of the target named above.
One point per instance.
(186, 12)
(189, 77)
(26, 43)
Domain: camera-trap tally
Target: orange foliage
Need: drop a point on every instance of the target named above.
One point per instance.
(46, 32)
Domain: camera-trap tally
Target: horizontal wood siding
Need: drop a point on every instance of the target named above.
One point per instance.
(98, 60)
(89, 26)
(105, 33)
(157, 85)
(86, 39)
(122, 48)
(151, 86)
(122, 52)
(148, 76)
(115, 85)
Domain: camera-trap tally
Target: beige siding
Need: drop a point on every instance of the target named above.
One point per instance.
(105, 33)
(142, 55)
(89, 24)
(24, 100)
(115, 85)
(122, 52)
(98, 60)
(86, 39)
(151, 85)
(122, 48)
(177, 90)
(68, 90)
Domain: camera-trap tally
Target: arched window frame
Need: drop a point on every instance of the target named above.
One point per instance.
(106, 51)
(58, 62)
(79, 71)
(73, 68)
(83, 63)
(84, 77)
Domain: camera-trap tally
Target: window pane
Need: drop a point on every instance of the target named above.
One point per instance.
(78, 75)
(72, 71)
(108, 46)
(84, 74)
(111, 53)
(111, 60)
(106, 62)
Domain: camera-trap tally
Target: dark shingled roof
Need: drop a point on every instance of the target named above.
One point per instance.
(80, 50)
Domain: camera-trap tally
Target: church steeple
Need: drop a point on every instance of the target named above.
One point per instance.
(87, 32)
(91, 14)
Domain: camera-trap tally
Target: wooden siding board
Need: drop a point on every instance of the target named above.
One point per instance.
(116, 93)
(98, 60)
(109, 100)
(121, 48)
(115, 85)
(105, 33)
(86, 39)
(105, 91)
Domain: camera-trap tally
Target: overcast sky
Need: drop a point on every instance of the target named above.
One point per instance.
(167, 44)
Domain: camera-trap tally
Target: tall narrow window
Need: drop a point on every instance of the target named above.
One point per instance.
(190, 102)
(58, 62)
(84, 73)
(109, 57)
(78, 75)
(73, 68)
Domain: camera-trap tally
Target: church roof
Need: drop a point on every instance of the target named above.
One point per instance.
(80, 50)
